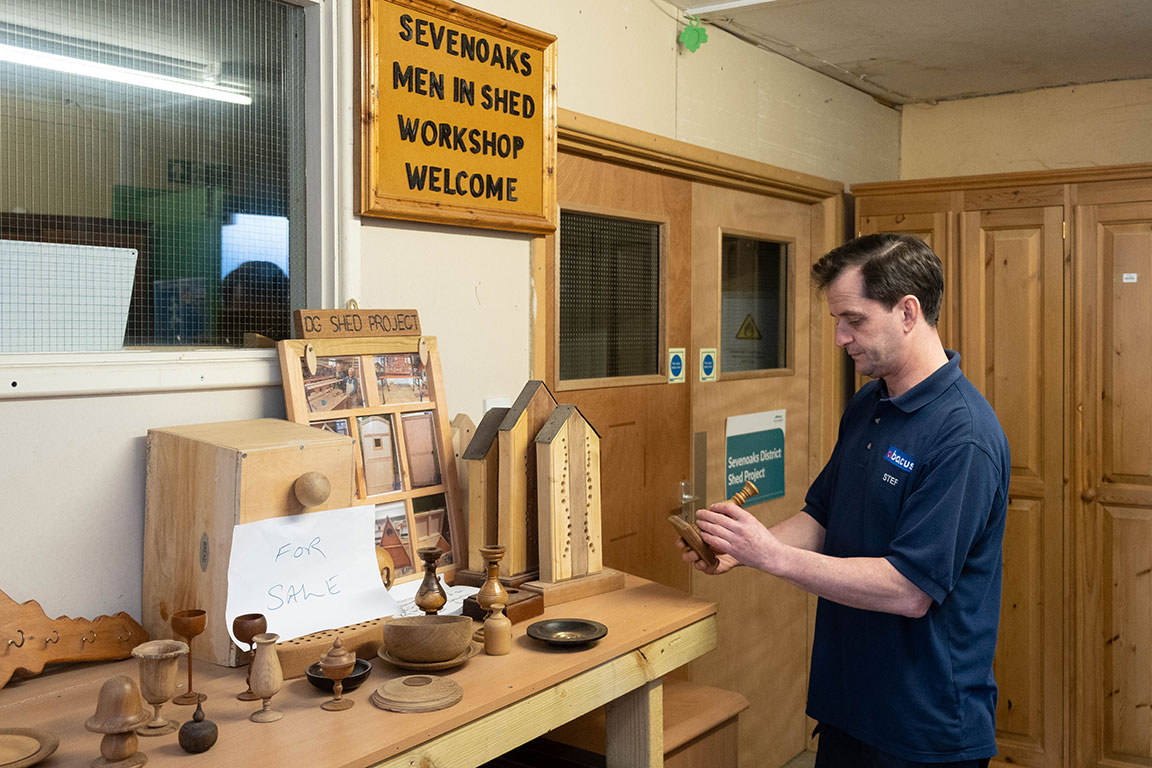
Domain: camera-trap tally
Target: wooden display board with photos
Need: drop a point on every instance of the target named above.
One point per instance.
(387, 394)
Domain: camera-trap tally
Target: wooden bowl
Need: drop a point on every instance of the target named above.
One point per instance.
(359, 674)
(427, 638)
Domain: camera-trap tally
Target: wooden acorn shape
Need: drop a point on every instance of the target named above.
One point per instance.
(430, 597)
(119, 712)
(198, 734)
(267, 677)
(691, 534)
(336, 665)
(158, 660)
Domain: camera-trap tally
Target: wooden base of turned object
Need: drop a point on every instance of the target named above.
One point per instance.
(363, 639)
(477, 579)
(522, 604)
(132, 761)
(557, 592)
(691, 535)
(417, 693)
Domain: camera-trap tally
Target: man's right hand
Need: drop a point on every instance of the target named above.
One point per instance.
(724, 562)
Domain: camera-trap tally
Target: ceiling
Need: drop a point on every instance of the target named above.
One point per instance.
(914, 51)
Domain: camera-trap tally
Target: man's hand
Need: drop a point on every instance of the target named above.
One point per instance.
(735, 532)
(725, 562)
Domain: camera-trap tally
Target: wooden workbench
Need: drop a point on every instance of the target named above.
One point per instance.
(508, 700)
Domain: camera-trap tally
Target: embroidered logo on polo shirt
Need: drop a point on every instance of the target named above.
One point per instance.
(894, 456)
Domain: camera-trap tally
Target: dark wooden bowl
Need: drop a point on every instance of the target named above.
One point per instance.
(358, 675)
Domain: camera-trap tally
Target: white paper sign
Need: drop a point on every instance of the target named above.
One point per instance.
(308, 572)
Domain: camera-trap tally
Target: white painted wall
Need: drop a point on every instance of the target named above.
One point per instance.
(1050, 129)
(74, 463)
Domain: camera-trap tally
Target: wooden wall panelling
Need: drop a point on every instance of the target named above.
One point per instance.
(1113, 506)
(1011, 342)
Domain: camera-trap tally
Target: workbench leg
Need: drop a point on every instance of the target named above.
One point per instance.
(635, 728)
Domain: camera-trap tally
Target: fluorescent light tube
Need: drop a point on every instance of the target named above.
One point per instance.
(94, 69)
(701, 10)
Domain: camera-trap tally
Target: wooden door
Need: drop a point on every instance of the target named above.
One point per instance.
(420, 442)
(1012, 348)
(643, 422)
(1112, 495)
(762, 620)
(933, 228)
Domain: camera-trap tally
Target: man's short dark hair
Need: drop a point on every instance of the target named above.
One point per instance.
(893, 266)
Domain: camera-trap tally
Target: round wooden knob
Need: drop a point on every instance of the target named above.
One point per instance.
(312, 489)
(1089, 495)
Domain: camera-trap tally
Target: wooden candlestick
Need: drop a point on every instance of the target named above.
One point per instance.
(690, 533)
(491, 591)
(119, 712)
(430, 597)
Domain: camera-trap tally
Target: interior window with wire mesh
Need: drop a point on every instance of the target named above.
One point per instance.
(609, 297)
(753, 304)
(152, 158)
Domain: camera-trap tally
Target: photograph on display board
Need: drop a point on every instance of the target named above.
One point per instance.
(378, 449)
(432, 526)
(420, 442)
(393, 546)
(337, 384)
(401, 378)
(339, 426)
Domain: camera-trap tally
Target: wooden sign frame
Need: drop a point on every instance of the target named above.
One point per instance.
(433, 88)
(388, 395)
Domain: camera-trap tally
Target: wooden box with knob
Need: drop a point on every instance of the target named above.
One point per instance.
(203, 480)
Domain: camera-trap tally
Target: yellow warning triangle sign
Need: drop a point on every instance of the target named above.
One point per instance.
(748, 330)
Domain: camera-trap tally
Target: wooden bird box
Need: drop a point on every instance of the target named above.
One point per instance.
(518, 525)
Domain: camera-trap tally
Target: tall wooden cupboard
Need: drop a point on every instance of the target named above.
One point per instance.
(1049, 302)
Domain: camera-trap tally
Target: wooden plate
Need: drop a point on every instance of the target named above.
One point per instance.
(429, 666)
(21, 747)
(567, 632)
(417, 693)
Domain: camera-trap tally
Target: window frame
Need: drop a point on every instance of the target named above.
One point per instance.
(661, 375)
(789, 288)
(331, 260)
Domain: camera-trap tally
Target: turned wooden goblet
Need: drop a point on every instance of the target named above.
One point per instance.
(188, 624)
(158, 660)
(245, 627)
(336, 665)
(267, 676)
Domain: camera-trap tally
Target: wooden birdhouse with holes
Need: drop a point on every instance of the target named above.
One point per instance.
(518, 524)
(568, 509)
(481, 462)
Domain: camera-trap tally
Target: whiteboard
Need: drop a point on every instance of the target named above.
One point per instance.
(64, 298)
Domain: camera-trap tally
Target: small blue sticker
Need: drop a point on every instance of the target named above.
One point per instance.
(677, 365)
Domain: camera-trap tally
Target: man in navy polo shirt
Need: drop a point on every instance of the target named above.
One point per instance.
(901, 533)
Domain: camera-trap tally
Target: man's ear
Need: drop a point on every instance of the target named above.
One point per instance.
(910, 311)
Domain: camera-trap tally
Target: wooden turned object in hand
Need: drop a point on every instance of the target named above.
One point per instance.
(336, 665)
(691, 534)
(119, 712)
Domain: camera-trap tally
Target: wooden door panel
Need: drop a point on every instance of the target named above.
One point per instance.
(932, 228)
(644, 429)
(1011, 337)
(1112, 511)
(762, 620)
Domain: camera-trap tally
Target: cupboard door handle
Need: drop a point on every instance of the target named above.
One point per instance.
(1089, 495)
(312, 489)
